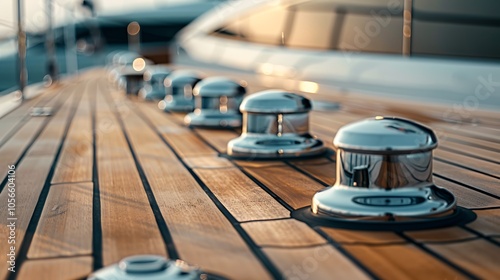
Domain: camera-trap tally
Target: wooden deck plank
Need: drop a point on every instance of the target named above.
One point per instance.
(440, 235)
(324, 171)
(469, 162)
(17, 144)
(201, 233)
(487, 222)
(57, 269)
(466, 197)
(187, 144)
(75, 164)
(344, 236)
(241, 196)
(217, 138)
(291, 186)
(402, 261)
(470, 178)
(320, 262)
(470, 151)
(476, 256)
(48, 141)
(13, 120)
(283, 233)
(128, 223)
(65, 227)
(208, 162)
(30, 177)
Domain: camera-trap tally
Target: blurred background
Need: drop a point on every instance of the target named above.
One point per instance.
(86, 30)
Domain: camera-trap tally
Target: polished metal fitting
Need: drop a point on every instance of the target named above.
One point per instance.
(275, 125)
(384, 169)
(217, 101)
(179, 91)
(154, 88)
(148, 267)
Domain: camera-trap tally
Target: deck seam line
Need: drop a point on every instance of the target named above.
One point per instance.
(437, 256)
(481, 235)
(310, 176)
(97, 253)
(466, 167)
(32, 141)
(346, 253)
(259, 254)
(469, 155)
(37, 211)
(69, 183)
(467, 186)
(170, 247)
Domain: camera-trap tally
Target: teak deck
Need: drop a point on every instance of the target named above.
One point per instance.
(108, 176)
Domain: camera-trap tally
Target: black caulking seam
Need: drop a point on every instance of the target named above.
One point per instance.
(466, 167)
(467, 186)
(160, 221)
(266, 262)
(31, 142)
(96, 198)
(37, 212)
(437, 256)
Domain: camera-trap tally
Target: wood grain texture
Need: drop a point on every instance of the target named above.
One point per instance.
(208, 162)
(16, 117)
(321, 262)
(469, 162)
(75, 163)
(128, 223)
(65, 227)
(201, 233)
(401, 261)
(325, 171)
(56, 269)
(487, 222)
(345, 236)
(12, 150)
(466, 197)
(441, 235)
(291, 186)
(49, 140)
(241, 196)
(217, 138)
(471, 178)
(285, 233)
(477, 256)
(30, 178)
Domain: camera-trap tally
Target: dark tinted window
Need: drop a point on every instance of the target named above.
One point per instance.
(456, 28)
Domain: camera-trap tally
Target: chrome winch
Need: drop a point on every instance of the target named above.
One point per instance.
(154, 88)
(217, 101)
(384, 171)
(148, 267)
(179, 91)
(275, 125)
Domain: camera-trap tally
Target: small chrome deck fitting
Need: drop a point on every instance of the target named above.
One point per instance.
(179, 91)
(154, 88)
(384, 171)
(152, 267)
(217, 102)
(275, 125)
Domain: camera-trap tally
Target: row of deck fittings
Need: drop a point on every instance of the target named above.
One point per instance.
(384, 164)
